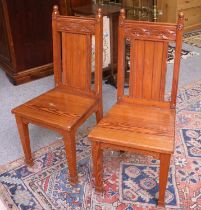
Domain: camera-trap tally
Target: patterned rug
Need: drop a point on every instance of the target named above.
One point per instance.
(193, 38)
(130, 180)
(171, 54)
(184, 54)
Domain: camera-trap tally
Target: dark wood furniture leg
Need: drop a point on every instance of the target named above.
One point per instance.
(114, 21)
(163, 177)
(70, 146)
(24, 136)
(97, 157)
(99, 113)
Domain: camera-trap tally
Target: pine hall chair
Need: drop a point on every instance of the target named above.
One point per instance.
(64, 108)
(142, 121)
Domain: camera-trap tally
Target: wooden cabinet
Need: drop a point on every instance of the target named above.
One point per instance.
(191, 9)
(26, 39)
(78, 3)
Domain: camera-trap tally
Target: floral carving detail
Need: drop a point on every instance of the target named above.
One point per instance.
(76, 27)
(151, 33)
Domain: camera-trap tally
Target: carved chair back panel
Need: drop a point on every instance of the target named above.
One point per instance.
(76, 60)
(149, 31)
(73, 24)
(148, 69)
(148, 58)
(72, 47)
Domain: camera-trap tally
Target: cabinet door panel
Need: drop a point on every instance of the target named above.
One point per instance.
(4, 49)
(186, 4)
(30, 23)
(192, 16)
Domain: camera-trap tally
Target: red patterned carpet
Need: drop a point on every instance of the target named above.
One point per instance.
(130, 180)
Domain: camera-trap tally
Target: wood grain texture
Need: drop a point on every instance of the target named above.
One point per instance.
(148, 69)
(191, 9)
(137, 126)
(142, 121)
(57, 108)
(76, 46)
(65, 107)
(26, 46)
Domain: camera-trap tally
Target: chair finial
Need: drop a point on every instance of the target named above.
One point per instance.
(122, 16)
(123, 13)
(180, 23)
(181, 14)
(55, 10)
(99, 13)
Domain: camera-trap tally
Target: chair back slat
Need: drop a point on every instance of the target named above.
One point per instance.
(76, 51)
(147, 70)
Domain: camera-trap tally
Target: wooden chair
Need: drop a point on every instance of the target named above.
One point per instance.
(142, 121)
(64, 108)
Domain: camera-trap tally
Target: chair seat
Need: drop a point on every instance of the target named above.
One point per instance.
(57, 108)
(136, 126)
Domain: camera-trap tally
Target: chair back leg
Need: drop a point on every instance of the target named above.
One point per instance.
(97, 157)
(99, 113)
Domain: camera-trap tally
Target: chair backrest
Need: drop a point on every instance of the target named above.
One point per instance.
(148, 55)
(72, 51)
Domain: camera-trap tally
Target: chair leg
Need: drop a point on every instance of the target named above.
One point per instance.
(99, 112)
(97, 157)
(163, 177)
(70, 146)
(24, 137)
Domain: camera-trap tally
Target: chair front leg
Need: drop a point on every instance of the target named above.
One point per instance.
(24, 137)
(70, 147)
(97, 156)
(163, 177)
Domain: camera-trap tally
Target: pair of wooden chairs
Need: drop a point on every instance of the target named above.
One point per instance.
(140, 121)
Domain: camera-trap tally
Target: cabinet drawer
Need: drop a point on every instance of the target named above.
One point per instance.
(185, 4)
(192, 16)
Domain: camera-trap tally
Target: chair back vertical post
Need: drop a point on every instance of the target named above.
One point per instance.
(121, 56)
(180, 26)
(99, 55)
(56, 48)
